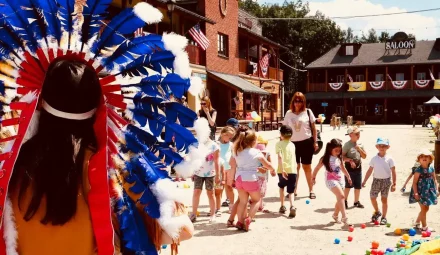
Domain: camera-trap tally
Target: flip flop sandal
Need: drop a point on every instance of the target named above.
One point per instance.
(312, 196)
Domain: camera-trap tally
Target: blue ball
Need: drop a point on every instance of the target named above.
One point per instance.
(337, 241)
(307, 201)
(390, 249)
(412, 232)
(164, 246)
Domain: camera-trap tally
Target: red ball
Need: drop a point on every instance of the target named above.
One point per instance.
(350, 238)
(376, 222)
(424, 234)
(351, 229)
(373, 252)
(363, 226)
(402, 245)
(380, 253)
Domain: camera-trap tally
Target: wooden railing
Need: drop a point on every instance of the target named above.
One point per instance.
(196, 55)
(317, 87)
(272, 72)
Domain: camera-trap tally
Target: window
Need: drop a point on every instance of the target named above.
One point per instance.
(359, 110)
(379, 77)
(400, 76)
(339, 110)
(378, 110)
(349, 50)
(421, 76)
(360, 78)
(340, 79)
(222, 45)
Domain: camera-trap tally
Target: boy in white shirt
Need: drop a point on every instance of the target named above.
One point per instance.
(384, 169)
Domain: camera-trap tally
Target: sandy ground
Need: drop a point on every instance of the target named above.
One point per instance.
(312, 232)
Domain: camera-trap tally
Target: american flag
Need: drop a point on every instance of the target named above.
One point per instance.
(139, 32)
(349, 78)
(432, 76)
(264, 64)
(389, 77)
(199, 37)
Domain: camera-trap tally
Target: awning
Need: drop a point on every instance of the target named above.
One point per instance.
(238, 83)
(434, 101)
(372, 94)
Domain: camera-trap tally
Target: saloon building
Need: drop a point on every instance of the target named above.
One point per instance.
(378, 82)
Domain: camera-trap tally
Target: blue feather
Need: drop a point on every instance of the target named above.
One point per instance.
(126, 22)
(170, 156)
(156, 124)
(183, 137)
(93, 13)
(149, 85)
(154, 61)
(49, 11)
(134, 234)
(129, 49)
(175, 110)
(18, 18)
(176, 84)
(145, 137)
(9, 40)
(67, 16)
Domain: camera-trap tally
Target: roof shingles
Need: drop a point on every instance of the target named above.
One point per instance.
(374, 54)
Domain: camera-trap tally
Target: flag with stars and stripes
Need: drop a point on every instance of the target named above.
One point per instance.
(264, 64)
(199, 37)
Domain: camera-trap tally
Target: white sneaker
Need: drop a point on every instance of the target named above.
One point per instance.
(212, 219)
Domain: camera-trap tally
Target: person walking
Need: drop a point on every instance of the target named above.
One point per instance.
(304, 137)
(210, 114)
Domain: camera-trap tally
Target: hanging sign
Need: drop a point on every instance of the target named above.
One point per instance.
(357, 86)
(437, 84)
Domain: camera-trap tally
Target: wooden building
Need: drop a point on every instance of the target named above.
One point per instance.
(376, 83)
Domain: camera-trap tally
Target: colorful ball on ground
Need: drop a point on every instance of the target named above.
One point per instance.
(351, 229)
(424, 234)
(164, 246)
(350, 238)
(374, 245)
(390, 249)
(198, 214)
(307, 201)
(380, 252)
(337, 241)
(363, 226)
(408, 246)
(367, 252)
(405, 237)
(376, 223)
(412, 232)
(428, 232)
(388, 225)
(402, 245)
(397, 231)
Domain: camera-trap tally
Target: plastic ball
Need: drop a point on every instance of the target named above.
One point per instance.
(397, 231)
(428, 232)
(376, 223)
(337, 241)
(412, 232)
(405, 237)
(367, 252)
(408, 246)
(363, 226)
(373, 252)
(307, 201)
(198, 214)
(350, 238)
(402, 245)
(374, 245)
(390, 249)
(164, 246)
(424, 234)
(388, 225)
(380, 252)
(351, 229)
(398, 245)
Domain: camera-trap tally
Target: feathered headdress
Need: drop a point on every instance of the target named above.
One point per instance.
(137, 76)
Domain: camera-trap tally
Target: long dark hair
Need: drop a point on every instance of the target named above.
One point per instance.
(50, 164)
(334, 143)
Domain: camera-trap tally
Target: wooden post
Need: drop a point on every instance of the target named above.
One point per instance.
(386, 78)
(366, 77)
(278, 65)
(258, 60)
(345, 77)
(345, 111)
(433, 73)
(412, 76)
(365, 109)
(308, 81)
(326, 80)
(385, 106)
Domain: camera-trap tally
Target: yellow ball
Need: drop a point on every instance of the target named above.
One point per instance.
(397, 231)
(405, 237)
(198, 213)
(408, 246)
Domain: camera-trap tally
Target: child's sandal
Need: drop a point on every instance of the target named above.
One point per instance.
(239, 225)
(247, 224)
(336, 218)
(230, 224)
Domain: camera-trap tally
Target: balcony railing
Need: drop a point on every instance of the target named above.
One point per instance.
(317, 87)
(243, 67)
(196, 55)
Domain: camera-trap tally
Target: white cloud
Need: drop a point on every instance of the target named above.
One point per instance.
(423, 27)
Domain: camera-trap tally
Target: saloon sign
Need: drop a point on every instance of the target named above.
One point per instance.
(400, 41)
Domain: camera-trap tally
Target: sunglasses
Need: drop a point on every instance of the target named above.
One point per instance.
(202, 103)
(298, 101)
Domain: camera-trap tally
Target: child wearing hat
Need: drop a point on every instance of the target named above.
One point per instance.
(353, 152)
(384, 169)
(286, 168)
(424, 188)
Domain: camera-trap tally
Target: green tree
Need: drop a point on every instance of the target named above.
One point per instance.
(307, 40)
(349, 36)
(371, 37)
(384, 36)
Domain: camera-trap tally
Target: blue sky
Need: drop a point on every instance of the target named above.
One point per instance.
(424, 25)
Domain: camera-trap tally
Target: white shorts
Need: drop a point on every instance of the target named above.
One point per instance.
(334, 183)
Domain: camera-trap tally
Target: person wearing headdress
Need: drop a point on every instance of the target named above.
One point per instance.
(76, 176)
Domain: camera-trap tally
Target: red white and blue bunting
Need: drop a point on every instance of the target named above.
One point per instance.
(336, 86)
(422, 83)
(399, 84)
(377, 84)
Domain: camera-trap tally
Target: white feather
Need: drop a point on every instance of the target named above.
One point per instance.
(29, 97)
(193, 160)
(174, 42)
(181, 65)
(147, 13)
(33, 126)
(128, 114)
(196, 86)
(174, 225)
(201, 127)
(165, 189)
(10, 231)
